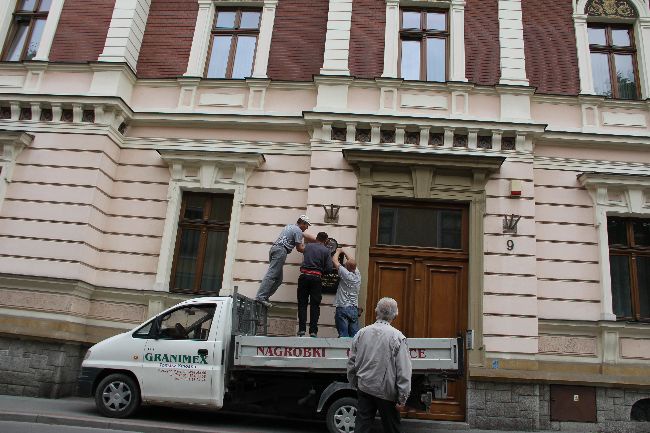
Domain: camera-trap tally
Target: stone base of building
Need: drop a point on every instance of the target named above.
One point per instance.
(34, 368)
(516, 406)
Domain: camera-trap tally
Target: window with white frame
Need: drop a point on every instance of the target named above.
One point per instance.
(424, 41)
(26, 30)
(233, 43)
(610, 36)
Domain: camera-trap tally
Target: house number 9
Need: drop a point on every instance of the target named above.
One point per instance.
(510, 245)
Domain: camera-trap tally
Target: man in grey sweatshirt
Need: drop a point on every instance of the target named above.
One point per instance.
(379, 367)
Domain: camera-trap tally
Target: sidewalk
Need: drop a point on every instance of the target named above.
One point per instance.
(80, 412)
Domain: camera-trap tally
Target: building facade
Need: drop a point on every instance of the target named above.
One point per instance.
(485, 161)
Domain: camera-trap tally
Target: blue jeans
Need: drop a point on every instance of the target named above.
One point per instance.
(347, 321)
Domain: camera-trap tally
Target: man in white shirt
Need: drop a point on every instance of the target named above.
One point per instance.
(346, 302)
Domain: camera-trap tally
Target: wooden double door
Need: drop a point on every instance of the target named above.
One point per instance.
(419, 257)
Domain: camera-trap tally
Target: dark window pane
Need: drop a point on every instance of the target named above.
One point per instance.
(221, 209)
(219, 57)
(244, 57)
(225, 20)
(186, 259)
(411, 20)
(616, 231)
(436, 55)
(419, 227)
(621, 37)
(35, 40)
(643, 283)
(45, 5)
(250, 20)
(641, 231)
(27, 5)
(625, 76)
(449, 228)
(436, 21)
(621, 298)
(215, 256)
(600, 74)
(194, 205)
(16, 47)
(410, 69)
(596, 36)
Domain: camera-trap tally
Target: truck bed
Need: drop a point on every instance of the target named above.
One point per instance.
(331, 354)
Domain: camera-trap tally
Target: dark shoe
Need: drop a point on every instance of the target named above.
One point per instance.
(301, 334)
(313, 335)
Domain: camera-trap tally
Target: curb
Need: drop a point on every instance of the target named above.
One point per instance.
(107, 424)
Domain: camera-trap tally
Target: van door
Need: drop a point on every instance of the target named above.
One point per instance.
(181, 359)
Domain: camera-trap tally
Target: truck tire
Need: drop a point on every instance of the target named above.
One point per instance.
(117, 396)
(341, 415)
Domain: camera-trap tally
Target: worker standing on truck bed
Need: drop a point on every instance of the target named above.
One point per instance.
(291, 236)
(346, 302)
(317, 260)
(379, 367)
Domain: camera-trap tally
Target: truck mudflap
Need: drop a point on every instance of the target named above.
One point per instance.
(86, 380)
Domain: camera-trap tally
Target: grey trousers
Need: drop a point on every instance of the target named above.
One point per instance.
(273, 277)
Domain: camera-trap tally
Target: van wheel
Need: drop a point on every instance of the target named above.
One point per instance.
(341, 415)
(117, 396)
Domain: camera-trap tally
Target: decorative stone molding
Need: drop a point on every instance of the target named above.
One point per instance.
(11, 144)
(511, 43)
(614, 194)
(202, 31)
(337, 38)
(206, 171)
(125, 32)
(610, 9)
(425, 175)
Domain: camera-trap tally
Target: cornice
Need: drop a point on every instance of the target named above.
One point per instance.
(582, 139)
(205, 145)
(315, 118)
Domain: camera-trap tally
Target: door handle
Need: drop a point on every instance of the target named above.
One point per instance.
(203, 352)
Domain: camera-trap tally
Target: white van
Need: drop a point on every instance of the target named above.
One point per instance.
(208, 352)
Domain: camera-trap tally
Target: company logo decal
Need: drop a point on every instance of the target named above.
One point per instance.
(181, 359)
(296, 352)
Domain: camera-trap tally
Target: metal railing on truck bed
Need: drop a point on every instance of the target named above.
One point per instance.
(249, 317)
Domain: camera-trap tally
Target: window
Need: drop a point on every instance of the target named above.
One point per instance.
(187, 323)
(613, 60)
(427, 227)
(234, 39)
(26, 30)
(201, 243)
(629, 261)
(423, 45)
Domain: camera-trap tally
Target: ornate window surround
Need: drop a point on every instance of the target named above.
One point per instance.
(204, 21)
(615, 195)
(641, 33)
(203, 171)
(11, 144)
(7, 9)
(456, 56)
